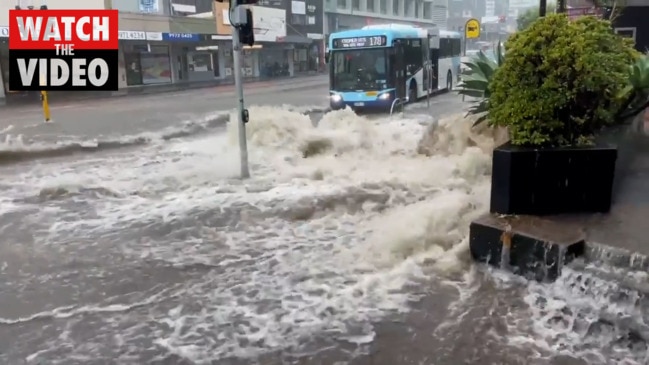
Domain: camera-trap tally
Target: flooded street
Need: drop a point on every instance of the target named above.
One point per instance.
(347, 246)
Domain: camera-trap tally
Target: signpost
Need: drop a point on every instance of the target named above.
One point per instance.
(471, 31)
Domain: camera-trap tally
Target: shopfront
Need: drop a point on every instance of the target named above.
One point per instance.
(196, 57)
(146, 60)
(274, 61)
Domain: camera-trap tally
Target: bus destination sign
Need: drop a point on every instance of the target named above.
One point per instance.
(361, 42)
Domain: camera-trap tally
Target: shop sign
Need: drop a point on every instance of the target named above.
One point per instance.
(131, 35)
(181, 37)
(153, 36)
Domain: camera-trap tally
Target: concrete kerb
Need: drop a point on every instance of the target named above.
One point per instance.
(294, 83)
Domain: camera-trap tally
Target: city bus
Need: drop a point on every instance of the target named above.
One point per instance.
(373, 66)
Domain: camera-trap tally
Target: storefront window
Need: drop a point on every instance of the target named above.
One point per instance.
(200, 62)
(146, 65)
(300, 60)
(156, 66)
(274, 63)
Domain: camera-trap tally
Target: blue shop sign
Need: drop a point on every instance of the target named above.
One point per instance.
(181, 37)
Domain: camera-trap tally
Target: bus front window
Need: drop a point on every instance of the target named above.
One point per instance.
(359, 69)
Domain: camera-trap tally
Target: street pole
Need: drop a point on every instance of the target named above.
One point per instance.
(242, 25)
(242, 113)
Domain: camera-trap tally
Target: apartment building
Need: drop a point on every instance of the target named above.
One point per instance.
(350, 14)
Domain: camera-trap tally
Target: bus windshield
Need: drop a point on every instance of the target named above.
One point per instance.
(365, 69)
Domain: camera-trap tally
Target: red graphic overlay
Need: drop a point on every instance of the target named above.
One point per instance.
(43, 29)
(63, 49)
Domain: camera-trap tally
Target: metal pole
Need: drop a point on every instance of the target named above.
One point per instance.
(543, 8)
(243, 143)
(430, 80)
(466, 40)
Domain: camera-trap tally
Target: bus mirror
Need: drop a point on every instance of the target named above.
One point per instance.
(327, 57)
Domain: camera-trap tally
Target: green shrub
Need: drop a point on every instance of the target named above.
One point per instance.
(561, 81)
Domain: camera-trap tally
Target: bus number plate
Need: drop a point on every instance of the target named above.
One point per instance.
(359, 104)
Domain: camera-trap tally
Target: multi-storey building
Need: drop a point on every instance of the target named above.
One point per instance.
(350, 14)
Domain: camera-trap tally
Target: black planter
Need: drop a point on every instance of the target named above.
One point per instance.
(552, 180)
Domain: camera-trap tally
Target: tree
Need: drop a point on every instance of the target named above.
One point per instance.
(530, 15)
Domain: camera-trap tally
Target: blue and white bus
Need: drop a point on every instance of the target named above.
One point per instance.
(373, 66)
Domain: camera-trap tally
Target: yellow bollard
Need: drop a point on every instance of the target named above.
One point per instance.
(46, 106)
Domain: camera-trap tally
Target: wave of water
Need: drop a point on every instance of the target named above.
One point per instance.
(16, 148)
(339, 228)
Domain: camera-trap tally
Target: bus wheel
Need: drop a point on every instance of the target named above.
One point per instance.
(412, 92)
(449, 81)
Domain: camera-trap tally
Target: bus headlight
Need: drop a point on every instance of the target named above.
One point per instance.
(385, 96)
(336, 98)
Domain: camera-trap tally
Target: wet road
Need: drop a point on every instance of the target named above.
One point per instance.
(120, 116)
(159, 254)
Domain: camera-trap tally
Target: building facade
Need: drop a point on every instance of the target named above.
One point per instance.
(350, 14)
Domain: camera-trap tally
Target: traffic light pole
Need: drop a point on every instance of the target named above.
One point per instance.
(241, 110)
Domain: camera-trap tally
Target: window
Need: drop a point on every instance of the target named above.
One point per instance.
(360, 69)
(414, 55)
(408, 9)
(428, 10)
(370, 5)
(416, 5)
(450, 47)
(342, 4)
(155, 65)
(626, 32)
(356, 4)
(383, 6)
(395, 7)
(298, 19)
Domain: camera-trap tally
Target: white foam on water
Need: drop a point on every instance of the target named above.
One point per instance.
(328, 241)
(583, 315)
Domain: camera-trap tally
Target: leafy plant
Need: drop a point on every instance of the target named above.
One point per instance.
(476, 79)
(636, 93)
(560, 82)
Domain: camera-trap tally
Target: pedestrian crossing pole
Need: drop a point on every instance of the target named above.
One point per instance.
(43, 94)
(242, 34)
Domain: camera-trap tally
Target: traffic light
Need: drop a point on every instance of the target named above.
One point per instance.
(246, 31)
